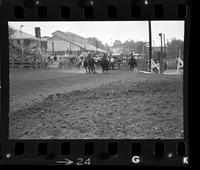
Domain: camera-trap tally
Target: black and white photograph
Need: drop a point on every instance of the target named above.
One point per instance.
(96, 79)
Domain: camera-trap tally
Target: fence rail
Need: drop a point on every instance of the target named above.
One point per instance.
(142, 64)
(27, 64)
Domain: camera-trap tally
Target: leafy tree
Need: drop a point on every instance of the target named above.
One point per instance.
(138, 47)
(117, 43)
(173, 48)
(141, 47)
(11, 31)
(97, 43)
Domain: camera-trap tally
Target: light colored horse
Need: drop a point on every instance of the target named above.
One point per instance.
(69, 63)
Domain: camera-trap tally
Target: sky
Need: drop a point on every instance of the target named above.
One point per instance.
(109, 31)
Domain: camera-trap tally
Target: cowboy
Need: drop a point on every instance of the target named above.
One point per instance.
(132, 61)
(91, 64)
(104, 64)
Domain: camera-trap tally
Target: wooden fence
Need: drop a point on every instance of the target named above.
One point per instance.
(27, 64)
(171, 63)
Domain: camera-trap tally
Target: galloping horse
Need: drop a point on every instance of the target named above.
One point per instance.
(78, 64)
(66, 63)
(104, 64)
(132, 63)
(85, 64)
(88, 64)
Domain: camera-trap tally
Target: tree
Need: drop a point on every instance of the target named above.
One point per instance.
(11, 31)
(141, 47)
(107, 47)
(95, 42)
(138, 47)
(117, 43)
(173, 48)
(127, 45)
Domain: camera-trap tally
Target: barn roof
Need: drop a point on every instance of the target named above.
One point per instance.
(72, 42)
(23, 35)
(87, 46)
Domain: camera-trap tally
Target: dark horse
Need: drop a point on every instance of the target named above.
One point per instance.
(132, 63)
(88, 64)
(104, 63)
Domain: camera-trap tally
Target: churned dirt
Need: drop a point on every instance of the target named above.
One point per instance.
(51, 104)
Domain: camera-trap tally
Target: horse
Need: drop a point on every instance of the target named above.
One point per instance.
(91, 65)
(112, 63)
(132, 63)
(66, 63)
(88, 64)
(60, 64)
(78, 64)
(104, 65)
(85, 64)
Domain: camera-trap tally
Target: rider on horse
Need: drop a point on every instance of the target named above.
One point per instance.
(104, 64)
(132, 61)
(89, 64)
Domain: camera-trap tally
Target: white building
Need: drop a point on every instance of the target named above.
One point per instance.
(62, 43)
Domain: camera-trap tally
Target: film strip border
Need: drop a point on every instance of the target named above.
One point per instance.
(88, 152)
(96, 10)
(132, 152)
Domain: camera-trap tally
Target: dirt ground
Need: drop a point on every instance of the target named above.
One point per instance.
(52, 104)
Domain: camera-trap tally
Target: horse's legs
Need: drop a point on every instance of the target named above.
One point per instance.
(94, 71)
(133, 67)
(91, 69)
(86, 69)
(104, 70)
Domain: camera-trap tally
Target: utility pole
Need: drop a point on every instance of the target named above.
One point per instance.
(161, 57)
(53, 47)
(96, 46)
(164, 43)
(150, 46)
(21, 40)
(176, 51)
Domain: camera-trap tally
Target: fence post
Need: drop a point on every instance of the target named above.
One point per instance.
(150, 47)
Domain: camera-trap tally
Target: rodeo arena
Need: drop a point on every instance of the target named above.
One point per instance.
(65, 87)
